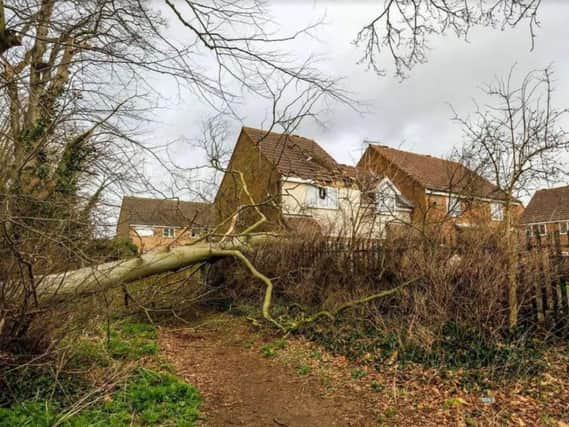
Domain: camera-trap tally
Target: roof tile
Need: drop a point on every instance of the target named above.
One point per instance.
(439, 174)
(297, 156)
(165, 212)
(548, 205)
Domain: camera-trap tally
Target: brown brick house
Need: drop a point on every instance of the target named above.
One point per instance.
(547, 213)
(298, 184)
(150, 223)
(442, 191)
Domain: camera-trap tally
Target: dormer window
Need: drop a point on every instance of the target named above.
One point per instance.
(386, 199)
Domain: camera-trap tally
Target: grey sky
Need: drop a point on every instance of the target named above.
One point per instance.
(413, 114)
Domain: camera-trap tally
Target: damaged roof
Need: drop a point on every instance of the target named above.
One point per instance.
(294, 155)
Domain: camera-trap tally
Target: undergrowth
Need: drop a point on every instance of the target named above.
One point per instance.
(481, 359)
(149, 397)
(145, 395)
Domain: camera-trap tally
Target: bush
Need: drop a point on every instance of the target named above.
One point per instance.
(454, 314)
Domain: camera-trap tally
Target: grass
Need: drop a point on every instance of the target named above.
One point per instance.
(148, 396)
(376, 386)
(358, 373)
(130, 341)
(271, 349)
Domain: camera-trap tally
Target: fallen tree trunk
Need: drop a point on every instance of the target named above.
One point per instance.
(104, 276)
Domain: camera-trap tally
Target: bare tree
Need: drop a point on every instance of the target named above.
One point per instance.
(404, 28)
(518, 141)
(75, 86)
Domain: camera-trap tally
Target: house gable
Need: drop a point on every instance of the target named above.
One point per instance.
(408, 185)
(261, 177)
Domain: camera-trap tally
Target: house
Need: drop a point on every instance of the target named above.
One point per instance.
(300, 187)
(150, 223)
(547, 213)
(442, 191)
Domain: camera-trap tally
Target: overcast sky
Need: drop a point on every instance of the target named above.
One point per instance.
(413, 114)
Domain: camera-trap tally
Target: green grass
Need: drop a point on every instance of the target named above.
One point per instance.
(131, 341)
(270, 350)
(358, 373)
(148, 397)
(376, 386)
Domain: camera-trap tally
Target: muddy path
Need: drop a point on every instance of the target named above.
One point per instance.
(242, 386)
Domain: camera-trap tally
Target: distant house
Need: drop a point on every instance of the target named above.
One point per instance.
(547, 213)
(150, 223)
(299, 186)
(442, 191)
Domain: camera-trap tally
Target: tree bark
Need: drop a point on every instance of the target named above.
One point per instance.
(104, 276)
(512, 267)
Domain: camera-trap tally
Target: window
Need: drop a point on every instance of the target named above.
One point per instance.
(168, 232)
(539, 230)
(322, 197)
(497, 211)
(196, 232)
(528, 231)
(563, 227)
(454, 206)
(143, 231)
(387, 199)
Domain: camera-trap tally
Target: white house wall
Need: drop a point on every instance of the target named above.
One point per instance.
(348, 219)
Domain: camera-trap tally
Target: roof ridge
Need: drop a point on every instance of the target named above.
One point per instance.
(270, 132)
(561, 187)
(169, 199)
(418, 154)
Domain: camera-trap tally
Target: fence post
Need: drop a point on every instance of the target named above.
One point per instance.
(533, 248)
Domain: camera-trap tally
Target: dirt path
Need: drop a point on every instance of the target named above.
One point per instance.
(243, 387)
(248, 378)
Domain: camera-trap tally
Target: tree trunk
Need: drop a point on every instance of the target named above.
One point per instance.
(512, 267)
(108, 275)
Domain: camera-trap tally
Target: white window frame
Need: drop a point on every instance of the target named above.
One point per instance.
(497, 211)
(566, 224)
(386, 199)
(322, 197)
(143, 230)
(168, 232)
(454, 206)
(540, 231)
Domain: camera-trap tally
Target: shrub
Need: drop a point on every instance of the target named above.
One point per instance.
(453, 314)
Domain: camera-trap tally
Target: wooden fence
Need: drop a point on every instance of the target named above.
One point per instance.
(546, 300)
(551, 300)
(359, 257)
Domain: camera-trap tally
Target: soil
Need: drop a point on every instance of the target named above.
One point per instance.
(249, 377)
(241, 387)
